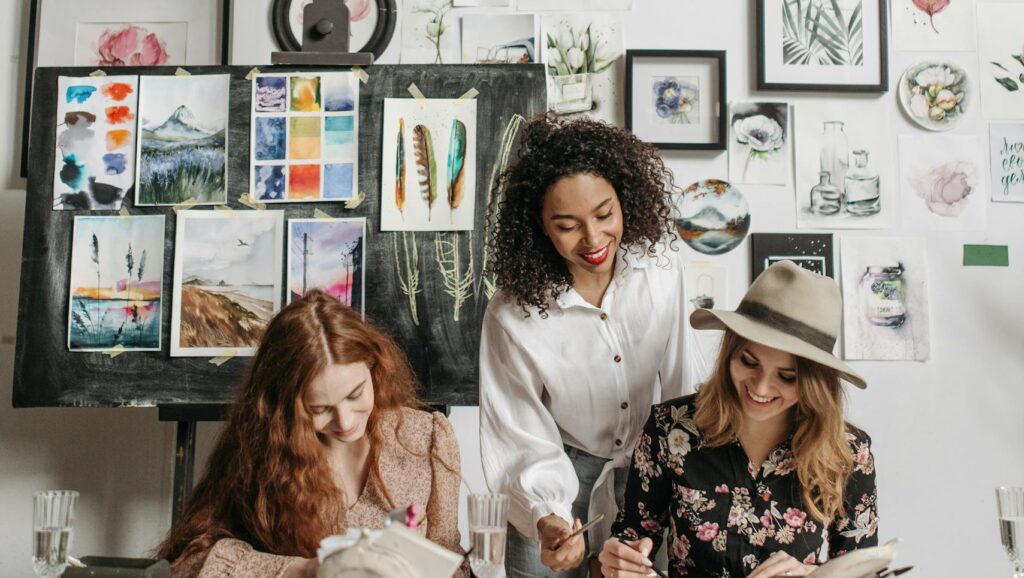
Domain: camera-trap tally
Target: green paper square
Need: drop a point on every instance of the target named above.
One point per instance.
(986, 256)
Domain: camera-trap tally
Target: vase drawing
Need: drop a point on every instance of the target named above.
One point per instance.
(862, 192)
(835, 157)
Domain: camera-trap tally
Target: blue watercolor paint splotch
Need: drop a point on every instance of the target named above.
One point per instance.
(115, 163)
(338, 181)
(339, 92)
(269, 182)
(79, 93)
(271, 138)
(74, 174)
(271, 93)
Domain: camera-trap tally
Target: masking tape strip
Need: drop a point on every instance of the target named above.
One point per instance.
(97, 72)
(361, 74)
(355, 201)
(415, 92)
(182, 72)
(469, 94)
(124, 211)
(222, 359)
(252, 203)
(322, 216)
(224, 209)
(188, 204)
(252, 73)
(115, 351)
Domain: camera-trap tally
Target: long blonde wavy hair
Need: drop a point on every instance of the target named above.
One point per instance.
(821, 451)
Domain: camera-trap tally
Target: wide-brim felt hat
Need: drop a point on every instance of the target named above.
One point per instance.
(791, 309)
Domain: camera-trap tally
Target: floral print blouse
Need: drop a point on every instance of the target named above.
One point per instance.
(723, 516)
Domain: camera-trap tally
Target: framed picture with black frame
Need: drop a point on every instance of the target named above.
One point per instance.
(822, 45)
(675, 99)
(812, 251)
(111, 33)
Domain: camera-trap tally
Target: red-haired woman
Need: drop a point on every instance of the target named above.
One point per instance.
(324, 435)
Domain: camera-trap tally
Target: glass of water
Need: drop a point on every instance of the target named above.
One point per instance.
(488, 526)
(1011, 525)
(51, 537)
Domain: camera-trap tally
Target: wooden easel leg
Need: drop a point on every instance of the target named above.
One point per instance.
(184, 463)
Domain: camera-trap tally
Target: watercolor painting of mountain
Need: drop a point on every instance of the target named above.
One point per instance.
(183, 140)
(714, 217)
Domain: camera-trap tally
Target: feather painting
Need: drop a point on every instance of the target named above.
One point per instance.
(456, 163)
(426, 165)
(400, 169)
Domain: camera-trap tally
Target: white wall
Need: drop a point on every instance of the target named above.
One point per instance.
(946, 431)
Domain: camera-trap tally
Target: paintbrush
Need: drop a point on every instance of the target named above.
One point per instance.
(660, 573)
(582, 529)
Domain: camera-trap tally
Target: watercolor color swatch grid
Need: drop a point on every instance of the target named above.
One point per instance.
(304, 139)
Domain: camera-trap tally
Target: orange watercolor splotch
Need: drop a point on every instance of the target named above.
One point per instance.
(118, 139)
(117, 90)
(304, 182)
(119, 114)
(305, 94)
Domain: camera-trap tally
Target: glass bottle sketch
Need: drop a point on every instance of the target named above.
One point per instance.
(884, 295)
(862, 193)
(825, 197)
(835, 155)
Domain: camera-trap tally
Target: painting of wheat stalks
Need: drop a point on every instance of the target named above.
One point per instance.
(116, 281)
(227, 281)
(183, 139)
(327, 254)
(428, 165)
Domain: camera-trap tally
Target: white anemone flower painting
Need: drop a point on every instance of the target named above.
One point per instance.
(759, 143)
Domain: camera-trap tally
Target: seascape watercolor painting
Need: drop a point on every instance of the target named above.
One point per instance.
(95, 158)
(327, 254)
(131, 43)
(759, 143)
(713, 217)
(227, 281)
(885, 299)
(942, 183)
(428, 165)
(116, 283)
(183, 140)
(305, 131)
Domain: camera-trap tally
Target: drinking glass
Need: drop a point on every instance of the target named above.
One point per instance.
(51, 536)
(1011, 525)
(488, 526)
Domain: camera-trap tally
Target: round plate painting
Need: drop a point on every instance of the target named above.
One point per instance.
(714, 217)
(934, 94)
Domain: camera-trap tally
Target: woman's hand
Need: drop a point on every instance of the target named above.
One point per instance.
(554, 552)
(781, 564)
(622, 560)
(302, 569)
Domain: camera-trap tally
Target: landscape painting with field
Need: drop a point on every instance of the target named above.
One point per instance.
(227, 271)
(183, 143)
(116, 279)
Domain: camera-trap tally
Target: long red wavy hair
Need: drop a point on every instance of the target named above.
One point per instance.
(268, 481)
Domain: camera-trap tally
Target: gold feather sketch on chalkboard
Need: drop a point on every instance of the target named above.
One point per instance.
(400, 169)
(426, 165)
(456, 164)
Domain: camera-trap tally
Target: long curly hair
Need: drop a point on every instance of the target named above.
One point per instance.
(824, 459)
(268, 481)
(523, 260)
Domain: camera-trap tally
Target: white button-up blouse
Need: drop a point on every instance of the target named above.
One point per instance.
(583, 376)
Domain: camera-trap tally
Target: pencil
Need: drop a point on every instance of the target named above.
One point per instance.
(660, 573)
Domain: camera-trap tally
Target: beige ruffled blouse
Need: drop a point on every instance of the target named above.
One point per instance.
(411, 477)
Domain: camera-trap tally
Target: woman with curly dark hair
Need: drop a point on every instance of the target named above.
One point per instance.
(583, 337)
(325, 434)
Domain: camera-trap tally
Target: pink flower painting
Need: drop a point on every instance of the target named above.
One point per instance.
(946, 188)
(131, 46)
(931, 8)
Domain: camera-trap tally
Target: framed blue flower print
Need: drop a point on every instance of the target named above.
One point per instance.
(675, 99)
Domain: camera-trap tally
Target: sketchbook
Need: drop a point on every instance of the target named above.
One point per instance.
(862, 563)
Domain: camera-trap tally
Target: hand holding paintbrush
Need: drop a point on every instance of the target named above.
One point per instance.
(628, 559)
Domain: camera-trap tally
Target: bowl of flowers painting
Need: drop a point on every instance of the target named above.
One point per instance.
(934, 94)
(714, 217)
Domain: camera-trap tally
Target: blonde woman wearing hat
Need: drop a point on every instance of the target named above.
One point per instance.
(758, 469)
